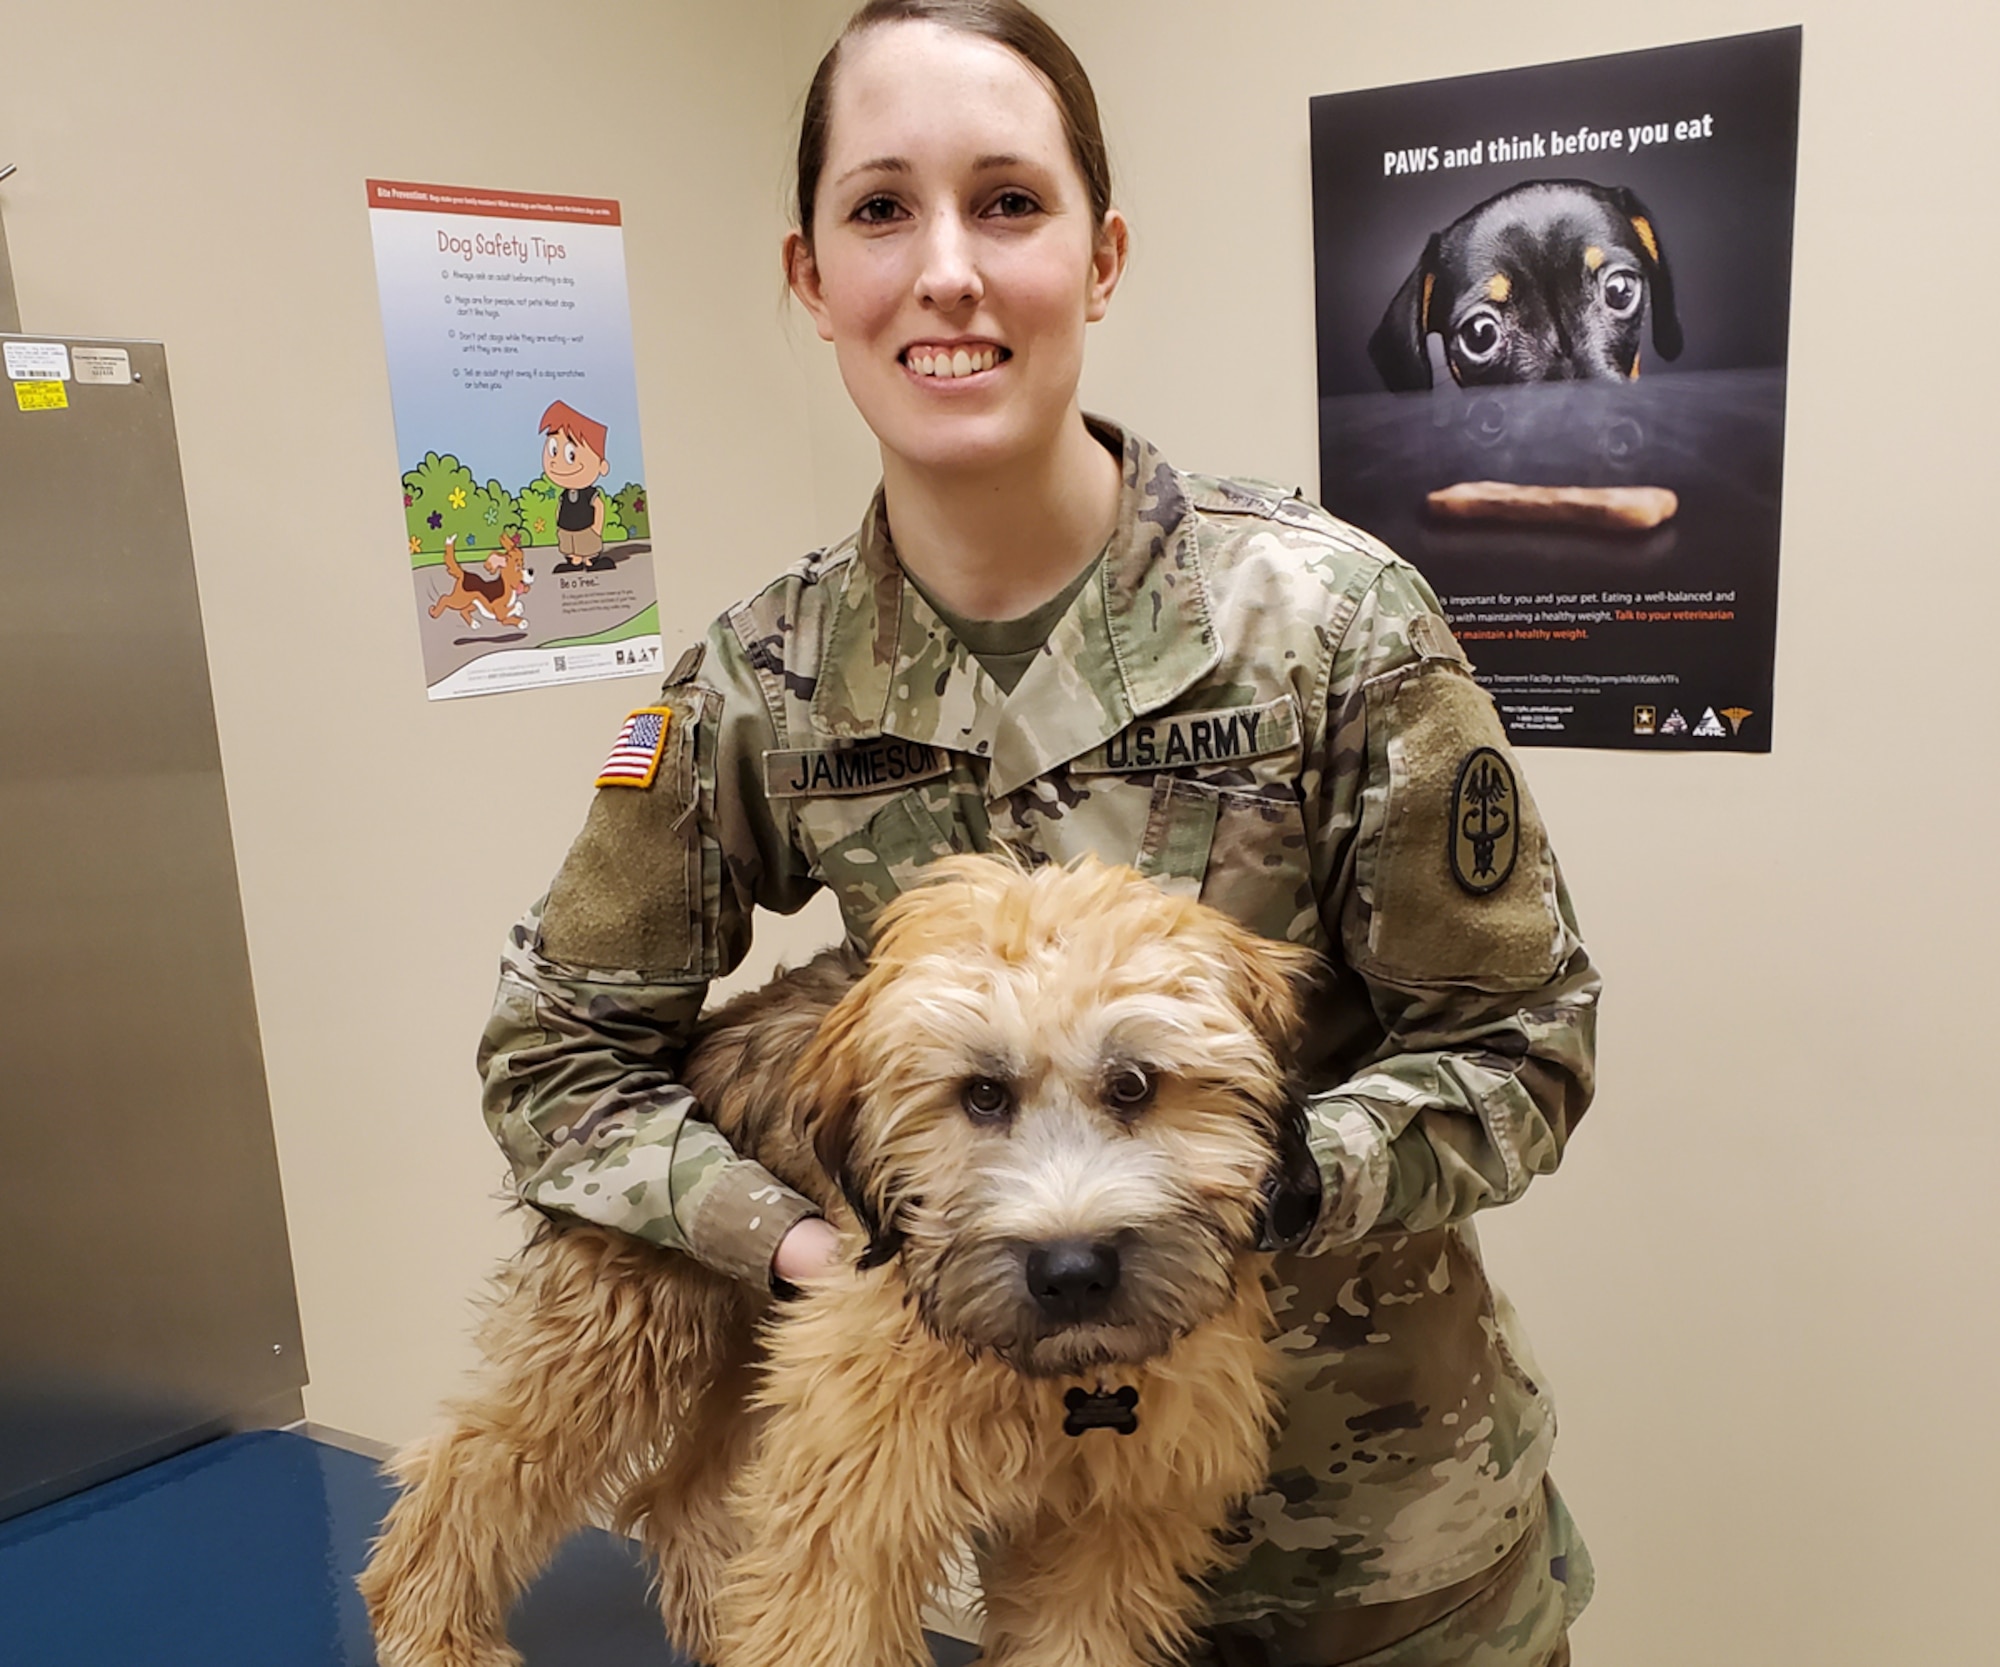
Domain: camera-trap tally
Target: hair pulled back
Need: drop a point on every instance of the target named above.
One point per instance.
(1007, 23)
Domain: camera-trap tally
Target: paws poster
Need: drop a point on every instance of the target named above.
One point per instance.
(1552, 316)
(509, 338)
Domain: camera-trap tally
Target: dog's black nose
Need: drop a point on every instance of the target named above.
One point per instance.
(1072, 1279)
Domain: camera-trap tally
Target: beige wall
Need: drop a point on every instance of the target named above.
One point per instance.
(1763, 1283)
(195, 173)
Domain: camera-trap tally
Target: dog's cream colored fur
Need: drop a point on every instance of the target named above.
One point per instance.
(800, 1484)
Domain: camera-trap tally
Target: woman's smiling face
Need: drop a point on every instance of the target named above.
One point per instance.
(954, 259)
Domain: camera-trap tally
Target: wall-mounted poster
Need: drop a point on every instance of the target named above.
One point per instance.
(517, 436)
(1552, 307)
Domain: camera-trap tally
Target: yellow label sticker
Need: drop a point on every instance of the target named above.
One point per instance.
(41, 396)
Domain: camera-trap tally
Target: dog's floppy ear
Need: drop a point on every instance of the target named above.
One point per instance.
(1399, 346)
(1667, 340)
(1268, 983)
(832, 1125)
(1291, 1192)
(829, 1078)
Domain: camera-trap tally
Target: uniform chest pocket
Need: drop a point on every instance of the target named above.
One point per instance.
(867, 852)
(1241, 851)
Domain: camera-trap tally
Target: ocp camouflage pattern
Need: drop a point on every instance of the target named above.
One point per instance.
(1450, 1043)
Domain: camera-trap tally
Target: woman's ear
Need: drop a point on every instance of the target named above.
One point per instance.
(802, 277)
(1107, 263)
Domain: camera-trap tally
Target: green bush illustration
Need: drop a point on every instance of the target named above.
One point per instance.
(538, 512)
(629, 505)
(442, 500)
(539, 502)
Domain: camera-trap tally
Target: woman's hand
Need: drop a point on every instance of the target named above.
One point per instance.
(810, 1251)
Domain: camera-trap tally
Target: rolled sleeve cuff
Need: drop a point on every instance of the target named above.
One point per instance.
(742, 1213)
(1351, 1146)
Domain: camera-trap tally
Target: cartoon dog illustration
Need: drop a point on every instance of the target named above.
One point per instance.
(1546, 282)
(499, 595)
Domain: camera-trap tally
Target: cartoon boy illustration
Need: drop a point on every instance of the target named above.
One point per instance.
(573, 460)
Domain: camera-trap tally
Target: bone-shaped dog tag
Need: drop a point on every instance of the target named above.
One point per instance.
(1100, 1409)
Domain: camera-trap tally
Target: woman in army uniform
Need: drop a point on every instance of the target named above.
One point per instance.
(1044, 636)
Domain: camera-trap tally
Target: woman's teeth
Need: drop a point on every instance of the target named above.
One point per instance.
(959, 362)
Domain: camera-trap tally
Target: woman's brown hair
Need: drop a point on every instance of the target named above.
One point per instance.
(1008, 23)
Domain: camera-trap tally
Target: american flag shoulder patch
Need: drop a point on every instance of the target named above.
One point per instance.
(635, 755)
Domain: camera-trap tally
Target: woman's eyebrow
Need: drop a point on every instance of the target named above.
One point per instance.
(877, 165)
(901, 165)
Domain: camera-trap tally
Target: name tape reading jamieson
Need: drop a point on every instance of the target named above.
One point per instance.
(870, 767)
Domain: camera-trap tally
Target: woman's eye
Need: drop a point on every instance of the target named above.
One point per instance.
(1130, 1088)
(1479, 336)
(1013, 205)
(1621, 291)
(876, 211)
(987, 1099)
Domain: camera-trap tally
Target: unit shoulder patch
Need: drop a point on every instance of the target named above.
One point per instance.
(1185, 740)
(635, 755)
(1453, 878)
(1485, 822)
(876, 766)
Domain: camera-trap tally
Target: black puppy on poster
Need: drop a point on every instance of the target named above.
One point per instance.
(1546, 282)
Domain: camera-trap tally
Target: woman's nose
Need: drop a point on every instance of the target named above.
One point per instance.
(948, 278)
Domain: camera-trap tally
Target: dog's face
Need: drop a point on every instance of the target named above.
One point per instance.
(1549, 281)
(1060, 1101)
(514, 561)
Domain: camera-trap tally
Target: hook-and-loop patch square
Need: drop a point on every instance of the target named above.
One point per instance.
(635, 755)
(628, 899)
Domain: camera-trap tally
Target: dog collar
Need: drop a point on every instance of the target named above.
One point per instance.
(1101, 1409)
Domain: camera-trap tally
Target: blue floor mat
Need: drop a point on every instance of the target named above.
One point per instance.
(243, 1553)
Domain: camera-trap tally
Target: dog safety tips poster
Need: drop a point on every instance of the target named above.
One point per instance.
(509, 337)
(1552, 315)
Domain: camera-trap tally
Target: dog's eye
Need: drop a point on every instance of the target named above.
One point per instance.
(1479, 337)
(1622, 291)
(986, 1099)
(1130, 1088)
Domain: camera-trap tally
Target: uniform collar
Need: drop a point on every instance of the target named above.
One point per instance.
(1138, 634)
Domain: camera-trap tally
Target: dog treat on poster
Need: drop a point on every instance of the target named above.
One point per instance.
(1598, 508)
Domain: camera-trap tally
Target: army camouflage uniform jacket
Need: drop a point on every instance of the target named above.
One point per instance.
(1251, 702)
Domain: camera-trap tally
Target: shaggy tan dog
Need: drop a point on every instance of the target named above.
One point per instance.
(1054, 1123)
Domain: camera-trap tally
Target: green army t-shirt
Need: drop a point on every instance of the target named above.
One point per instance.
(1007, 647)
